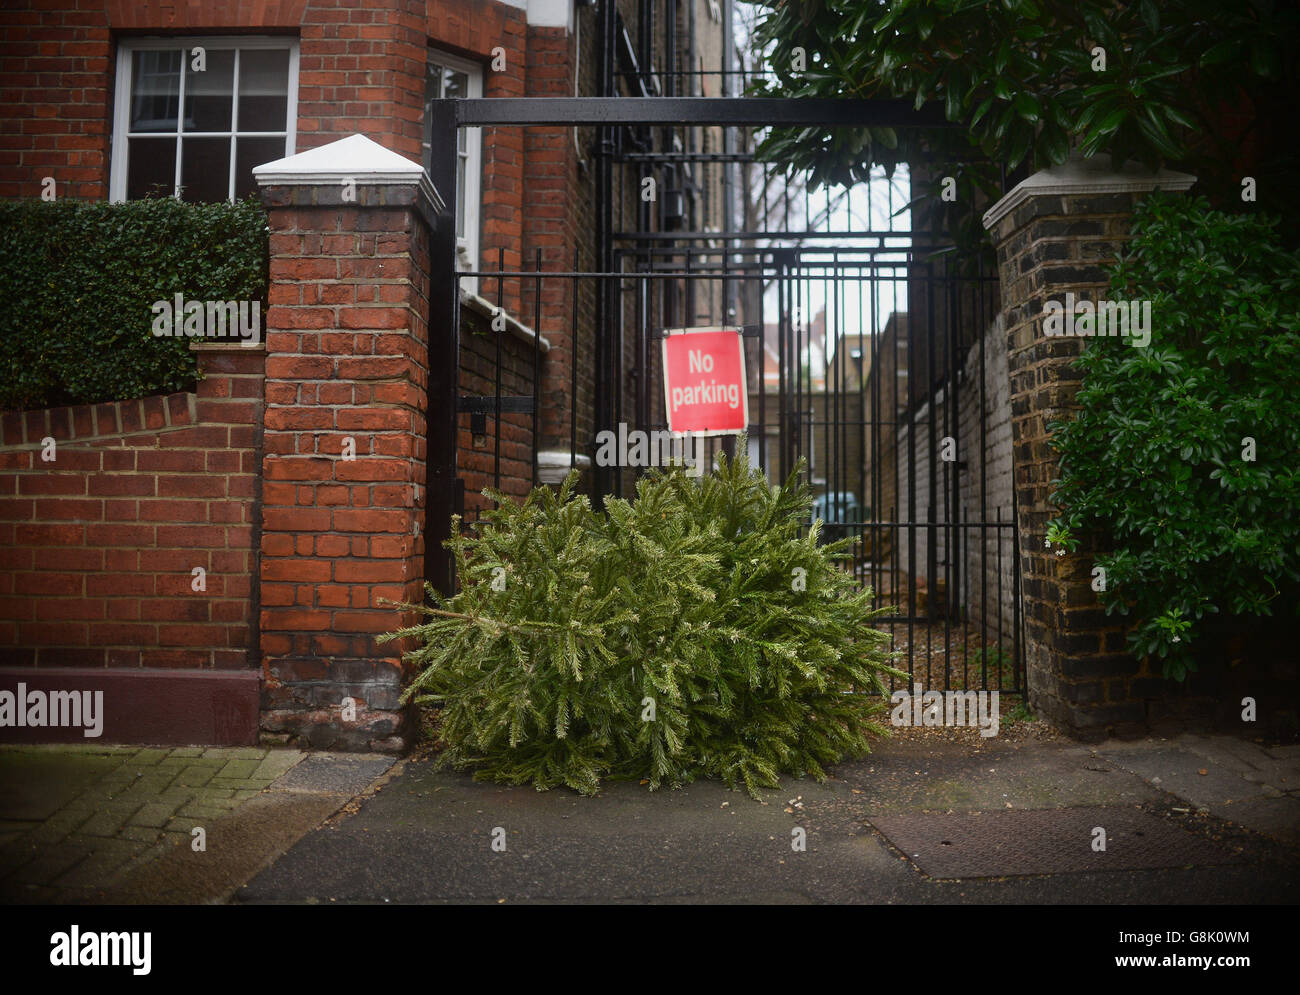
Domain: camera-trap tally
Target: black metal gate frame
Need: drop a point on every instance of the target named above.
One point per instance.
(448, 115)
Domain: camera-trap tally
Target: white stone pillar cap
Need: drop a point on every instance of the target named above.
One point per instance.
(355, 158)
(1094, 175)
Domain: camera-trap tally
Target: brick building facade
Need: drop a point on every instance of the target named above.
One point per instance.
(112, 100)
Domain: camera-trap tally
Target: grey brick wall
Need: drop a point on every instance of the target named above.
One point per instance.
(983, 585)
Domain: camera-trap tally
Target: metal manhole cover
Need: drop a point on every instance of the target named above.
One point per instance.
(1044, 841)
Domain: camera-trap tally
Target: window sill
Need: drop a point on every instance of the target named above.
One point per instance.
(517, 328)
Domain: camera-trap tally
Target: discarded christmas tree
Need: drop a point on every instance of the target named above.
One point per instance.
(690, 632)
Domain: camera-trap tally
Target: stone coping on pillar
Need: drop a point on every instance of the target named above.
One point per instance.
(380, 178)
(1079, 175)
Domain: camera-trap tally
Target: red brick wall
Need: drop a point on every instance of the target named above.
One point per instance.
(475, 460)
(344, 362)
(56, 93)
(334, 544)
(97, 546)
(472, 29)
(361, 70)
(552, 192)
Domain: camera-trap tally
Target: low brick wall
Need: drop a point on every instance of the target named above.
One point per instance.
(986, 586)
(98, 545)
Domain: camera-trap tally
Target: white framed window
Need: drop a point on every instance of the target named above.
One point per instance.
(193, 116)
(449, 76)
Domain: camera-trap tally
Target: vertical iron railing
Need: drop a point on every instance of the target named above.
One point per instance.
(806, 288)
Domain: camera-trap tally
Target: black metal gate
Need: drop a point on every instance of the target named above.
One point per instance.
(867, 358)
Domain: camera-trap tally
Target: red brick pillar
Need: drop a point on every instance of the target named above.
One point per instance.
(1054, 234)
(344, 467)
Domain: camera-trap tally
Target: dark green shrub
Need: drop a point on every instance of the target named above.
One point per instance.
(77, 280)
(700, 595)
(1157, 463)
(1192, 84)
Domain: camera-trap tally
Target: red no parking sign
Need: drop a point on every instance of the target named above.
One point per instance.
(704, 381)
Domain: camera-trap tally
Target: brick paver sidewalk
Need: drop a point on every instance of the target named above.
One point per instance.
(77, 818)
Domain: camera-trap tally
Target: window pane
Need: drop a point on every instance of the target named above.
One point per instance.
(250, 152)
(205, 169)
(443, 82)
(426, 147)
(208, 94)
(155, 90)
(150, 167)
(263, 89)
(454, 84)
(439, 83)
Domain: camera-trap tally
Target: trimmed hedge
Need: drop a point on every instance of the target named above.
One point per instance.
(77, 281)
(1182, 458)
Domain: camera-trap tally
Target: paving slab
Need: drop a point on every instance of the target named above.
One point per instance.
(110, 820)
(148, 756)
(229, 753)
(1180, 772)
(277, 762)
(12, 830)
(195, 777)
(238, 768)
(141, 834)
(313, 828)
(1278, 818)
(914, 776)
(101, 863)
(336, 773)
(154, 814)
(428, 836)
